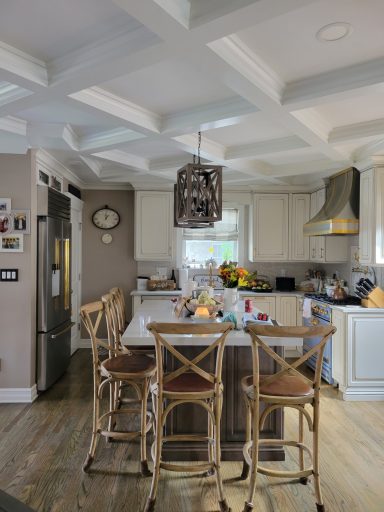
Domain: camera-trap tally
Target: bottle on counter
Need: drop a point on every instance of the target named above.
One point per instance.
(173, 277)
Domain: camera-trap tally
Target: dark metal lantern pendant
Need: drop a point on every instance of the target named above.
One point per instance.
(198, 195)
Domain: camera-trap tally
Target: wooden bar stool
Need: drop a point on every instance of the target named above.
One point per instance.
(119, 302)
(120, 366)
(286, 388)
(188, 384)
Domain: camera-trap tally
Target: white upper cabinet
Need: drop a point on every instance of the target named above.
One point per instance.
(371, 222)
(153, 226)
(298, 216)
(326, 249)
(276, 227)
(269, 228)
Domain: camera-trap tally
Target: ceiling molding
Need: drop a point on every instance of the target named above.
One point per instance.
(119, 107)
(70, 138)
(93, 164)
(357, 131)
(45, 159)
(206, 117)
(106, 139)
(314, 121)
(328, 86)
(13, 125)
(209, 149)
(236, 53)
(369, 151)
(180, 10)
(22, 66)
(132, 161)
(265, 147)
(10, 92)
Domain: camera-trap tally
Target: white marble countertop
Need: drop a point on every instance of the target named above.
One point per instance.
(242, 293)
(137, 334)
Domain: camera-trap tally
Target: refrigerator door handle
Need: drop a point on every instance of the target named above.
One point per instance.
(58, 334)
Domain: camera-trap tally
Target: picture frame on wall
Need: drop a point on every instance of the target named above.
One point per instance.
(21, 221)
(6, 223)
(11, 243)
(5, 204)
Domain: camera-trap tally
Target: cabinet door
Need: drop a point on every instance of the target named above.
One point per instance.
(265, 305)
(270, 227)
(153, 226)
(366, 220)
(312, 239)
(286, 310)
(339, 356)
(298, 216)
(378, 228)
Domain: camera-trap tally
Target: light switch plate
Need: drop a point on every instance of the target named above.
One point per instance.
(9, 274)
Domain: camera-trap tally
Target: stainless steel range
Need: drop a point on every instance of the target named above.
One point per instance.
(321, 314)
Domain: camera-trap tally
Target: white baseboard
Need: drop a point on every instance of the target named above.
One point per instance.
(363, 396)
(18, 395)
(85, 343)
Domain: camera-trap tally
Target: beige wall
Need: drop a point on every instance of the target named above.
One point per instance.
(18, 300)
(105, 266)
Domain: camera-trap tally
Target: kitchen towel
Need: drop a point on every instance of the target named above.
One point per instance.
(307, 313)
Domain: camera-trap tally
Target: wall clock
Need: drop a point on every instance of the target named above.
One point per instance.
(106, 218)
(106, 238)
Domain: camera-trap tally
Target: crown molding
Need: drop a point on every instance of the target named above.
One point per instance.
(357, 131)
(21, 64)
(240, 57)
(209, 149)
(93, 164)
(71, 138)
(306, 92)
(265, 147)
(11, 92)
(42, 157)
(214, 115)
(126, 40)
(13, 125)
(108, 186)
(314, 122)
(121, 157)
(119, 107)
(109, 138)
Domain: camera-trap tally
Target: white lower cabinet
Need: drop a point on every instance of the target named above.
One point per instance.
(265, 304)
(358, 354)
(286, 310)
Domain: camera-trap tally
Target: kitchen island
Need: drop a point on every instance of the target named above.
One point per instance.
(237, 364)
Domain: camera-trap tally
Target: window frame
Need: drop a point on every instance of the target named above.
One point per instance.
(180, 245)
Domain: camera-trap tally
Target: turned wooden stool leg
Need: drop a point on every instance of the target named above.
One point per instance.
(150, 505)
(248, 433)
(316, 474)
(303, 479)
(222, 501)
(95, 435)
(255, 456)
(143, 437)
(211, 457)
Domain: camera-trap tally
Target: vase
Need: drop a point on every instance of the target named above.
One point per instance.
(231, 298)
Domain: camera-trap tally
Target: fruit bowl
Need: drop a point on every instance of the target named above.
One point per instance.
(191, 307)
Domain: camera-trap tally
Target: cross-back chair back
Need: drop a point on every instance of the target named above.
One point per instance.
(288, 387)
(188, 383)
(118, 298)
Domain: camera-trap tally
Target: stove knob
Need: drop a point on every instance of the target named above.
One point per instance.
(314, 321)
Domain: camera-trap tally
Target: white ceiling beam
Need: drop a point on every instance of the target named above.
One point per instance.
(356, 131)
(209, 149)
(334, 85)
(13, 125)
(23, 69)
(134, 162)
(265, 147)
(207, 117)
(119, 108)
(108, 139)
(93, 164)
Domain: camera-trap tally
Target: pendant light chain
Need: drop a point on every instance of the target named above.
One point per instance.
(198, 148)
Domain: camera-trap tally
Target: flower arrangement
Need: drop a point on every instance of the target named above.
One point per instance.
(232, 275)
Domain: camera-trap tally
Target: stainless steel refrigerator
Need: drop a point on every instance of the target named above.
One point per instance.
(53, 286)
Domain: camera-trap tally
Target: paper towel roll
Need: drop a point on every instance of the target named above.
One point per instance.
(183, 277)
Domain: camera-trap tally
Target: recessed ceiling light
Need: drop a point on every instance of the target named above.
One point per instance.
(334, 31)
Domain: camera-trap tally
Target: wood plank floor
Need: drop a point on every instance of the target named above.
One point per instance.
(43, 445)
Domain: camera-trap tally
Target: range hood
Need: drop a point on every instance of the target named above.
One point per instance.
(340, 213)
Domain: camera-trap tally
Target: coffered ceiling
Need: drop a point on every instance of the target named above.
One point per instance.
(117, 90)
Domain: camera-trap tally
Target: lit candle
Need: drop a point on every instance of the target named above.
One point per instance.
(202, 312)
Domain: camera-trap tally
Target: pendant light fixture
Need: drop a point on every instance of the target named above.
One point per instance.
(198, 194)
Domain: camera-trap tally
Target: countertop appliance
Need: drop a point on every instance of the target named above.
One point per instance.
(53, 286)
(285, 284)
(321, 314)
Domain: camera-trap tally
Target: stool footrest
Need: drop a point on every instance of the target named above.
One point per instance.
(197, 468)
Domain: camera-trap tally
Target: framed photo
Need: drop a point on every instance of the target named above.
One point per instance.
(6, 223)
(21, 221)
(11, 243)
(5, 204)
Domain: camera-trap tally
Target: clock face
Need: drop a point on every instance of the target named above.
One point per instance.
(105, 218)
